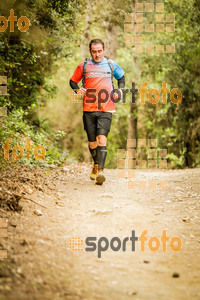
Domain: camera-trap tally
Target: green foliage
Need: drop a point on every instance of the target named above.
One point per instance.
(177, 162)
(18, 129)
(27, 59)
(176, 126)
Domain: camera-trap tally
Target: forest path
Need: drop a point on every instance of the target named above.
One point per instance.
(41, 265)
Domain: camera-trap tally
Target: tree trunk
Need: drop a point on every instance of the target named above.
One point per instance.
(87, 35)
(132, 130)
(111, 40)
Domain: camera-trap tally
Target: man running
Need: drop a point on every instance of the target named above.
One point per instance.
(98, 101)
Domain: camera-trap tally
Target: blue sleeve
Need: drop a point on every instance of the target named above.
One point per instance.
(118, 71)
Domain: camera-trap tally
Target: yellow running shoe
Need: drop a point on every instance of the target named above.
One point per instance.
(94, 172)
(100, 178)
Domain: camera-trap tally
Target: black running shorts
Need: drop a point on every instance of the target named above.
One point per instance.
(96, 123)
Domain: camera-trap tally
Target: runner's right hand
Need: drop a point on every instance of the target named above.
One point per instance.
(82, 91)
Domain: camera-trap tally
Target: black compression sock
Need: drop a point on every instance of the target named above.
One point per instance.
(101, 154)
(94, 155)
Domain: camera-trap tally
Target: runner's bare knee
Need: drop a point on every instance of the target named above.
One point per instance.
(93, 145)
(101, 140)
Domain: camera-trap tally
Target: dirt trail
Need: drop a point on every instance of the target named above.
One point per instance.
(41, 265)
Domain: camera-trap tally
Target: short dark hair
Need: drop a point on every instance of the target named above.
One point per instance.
(96, 41)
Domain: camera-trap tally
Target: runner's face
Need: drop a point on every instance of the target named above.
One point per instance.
(97, 52)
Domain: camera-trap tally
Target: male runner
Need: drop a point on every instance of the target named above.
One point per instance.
(98, 105)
